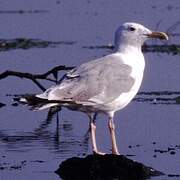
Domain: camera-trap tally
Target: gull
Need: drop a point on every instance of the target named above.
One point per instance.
(104, 85)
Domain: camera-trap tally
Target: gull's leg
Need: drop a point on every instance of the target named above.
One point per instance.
(93, 134)
(92, 118)
(113, 136)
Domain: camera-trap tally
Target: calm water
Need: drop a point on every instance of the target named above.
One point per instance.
(31, 147)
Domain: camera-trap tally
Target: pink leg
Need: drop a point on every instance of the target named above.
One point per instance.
(93, 136)
(113, 136)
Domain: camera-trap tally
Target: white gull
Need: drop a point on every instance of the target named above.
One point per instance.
(104, 85)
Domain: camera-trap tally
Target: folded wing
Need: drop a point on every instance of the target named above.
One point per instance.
(98, 81)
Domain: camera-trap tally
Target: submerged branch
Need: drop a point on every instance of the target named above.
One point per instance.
(35, 77)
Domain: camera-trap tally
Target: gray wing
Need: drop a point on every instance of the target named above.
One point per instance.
(101, 81)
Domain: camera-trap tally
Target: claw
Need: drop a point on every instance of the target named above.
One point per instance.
(98, 152)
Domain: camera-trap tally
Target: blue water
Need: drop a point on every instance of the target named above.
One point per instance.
(39, 149)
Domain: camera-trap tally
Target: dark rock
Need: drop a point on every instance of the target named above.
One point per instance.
(160, 151)
(104, 167)
(15, 104)
(130, 155)
(172, 152)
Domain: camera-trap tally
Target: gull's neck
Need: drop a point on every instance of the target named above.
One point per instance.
(125, 48)
(124, 44)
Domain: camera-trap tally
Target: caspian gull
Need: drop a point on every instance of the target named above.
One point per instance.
(104, 85)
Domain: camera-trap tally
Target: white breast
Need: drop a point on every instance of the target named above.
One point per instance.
(136, 61)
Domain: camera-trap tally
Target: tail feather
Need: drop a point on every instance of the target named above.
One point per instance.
(34, 102)
(37, 103)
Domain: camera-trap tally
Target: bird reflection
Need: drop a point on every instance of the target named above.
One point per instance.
(61, 140)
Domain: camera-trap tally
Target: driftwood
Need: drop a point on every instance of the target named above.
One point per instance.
(104, 167)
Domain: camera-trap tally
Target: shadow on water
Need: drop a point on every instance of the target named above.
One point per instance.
(173, 49)
(159, 97)
(36, 11)
(25, 43)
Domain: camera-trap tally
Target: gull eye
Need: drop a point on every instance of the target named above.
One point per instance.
(131, 28)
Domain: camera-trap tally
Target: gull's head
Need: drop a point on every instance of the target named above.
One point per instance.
(133, 34)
